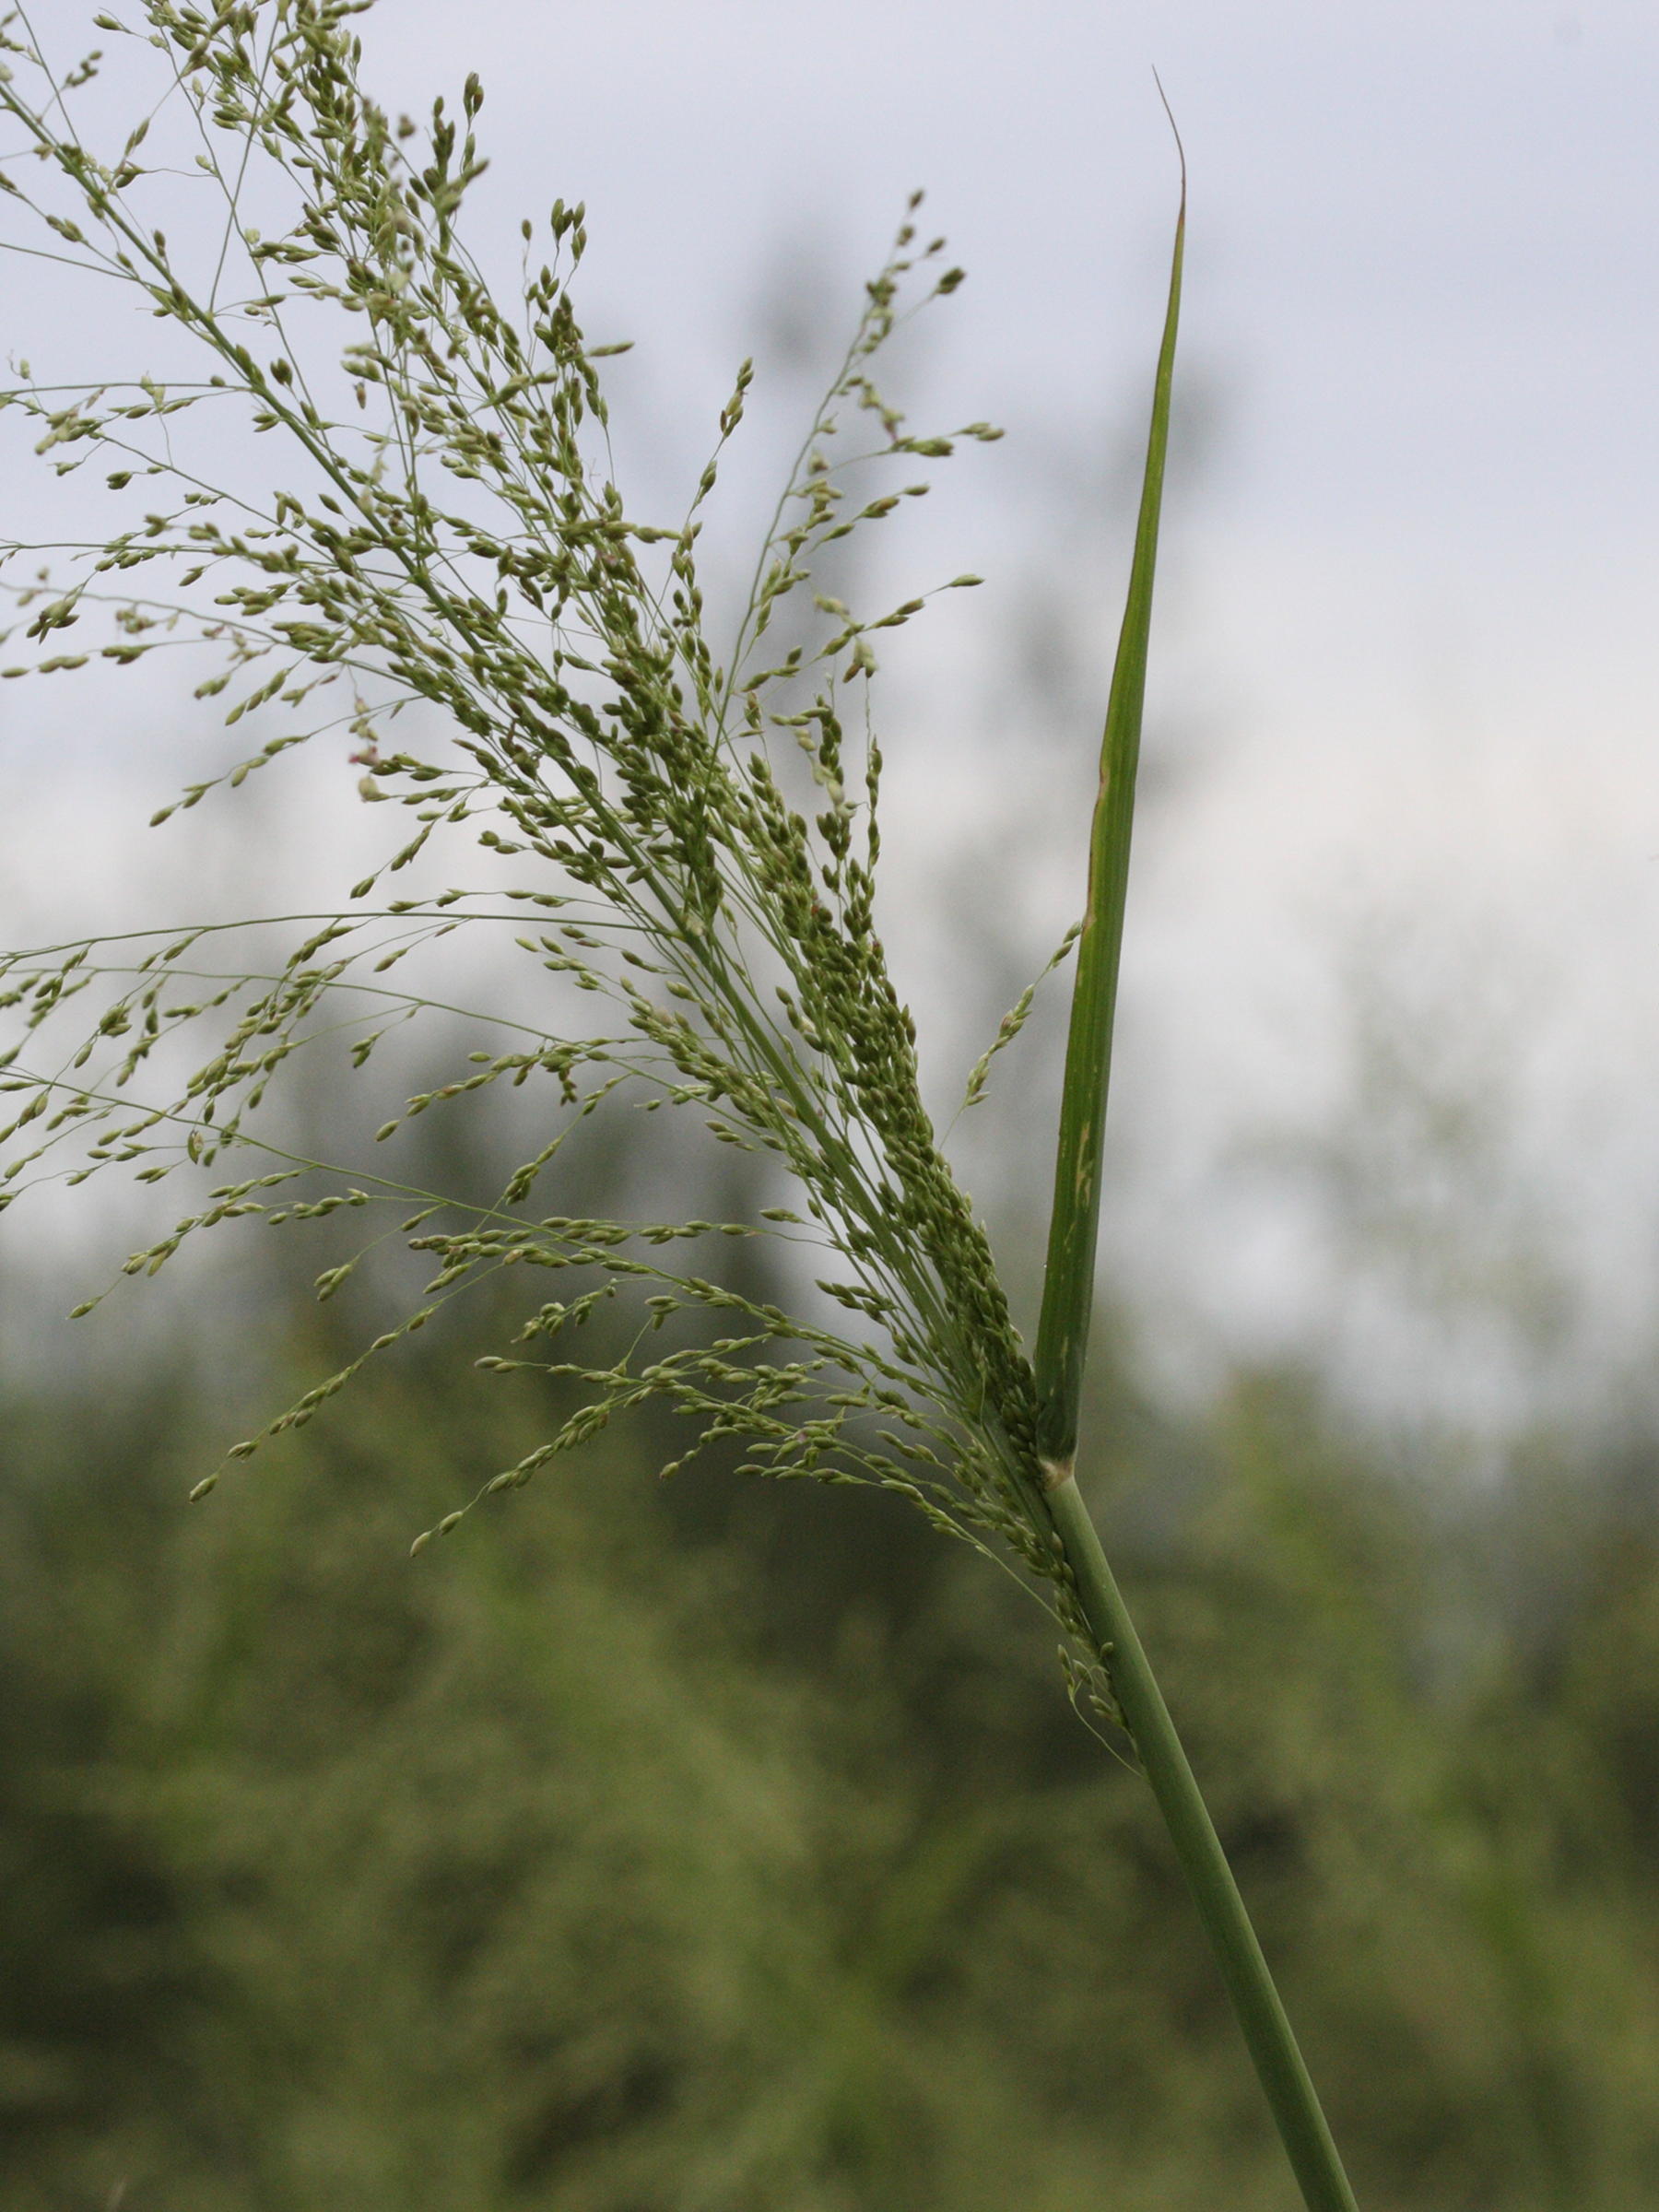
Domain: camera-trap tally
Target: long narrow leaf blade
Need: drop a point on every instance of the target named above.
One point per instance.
(1068, 1284)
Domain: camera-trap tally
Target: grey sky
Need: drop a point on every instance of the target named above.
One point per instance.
(1410, 600)
(1414, 598)
(1426, 240)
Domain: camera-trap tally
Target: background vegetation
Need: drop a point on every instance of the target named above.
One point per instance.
(720, 1852)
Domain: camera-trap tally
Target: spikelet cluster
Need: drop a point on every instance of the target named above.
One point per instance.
(684, 828)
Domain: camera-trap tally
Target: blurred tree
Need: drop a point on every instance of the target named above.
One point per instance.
(583, 1866)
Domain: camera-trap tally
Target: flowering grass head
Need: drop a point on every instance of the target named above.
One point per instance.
(682, 825)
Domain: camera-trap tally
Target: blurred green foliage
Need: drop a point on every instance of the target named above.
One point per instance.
(711, 1848)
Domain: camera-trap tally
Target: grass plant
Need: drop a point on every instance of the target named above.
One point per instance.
(678, 826)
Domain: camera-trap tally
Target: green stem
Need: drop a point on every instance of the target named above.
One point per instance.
(1278, 2063)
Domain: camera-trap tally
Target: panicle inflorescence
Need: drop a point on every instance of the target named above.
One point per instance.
(450, 534)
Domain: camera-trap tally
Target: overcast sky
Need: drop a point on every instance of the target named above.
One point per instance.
(1410, 581)
(1413, 590)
